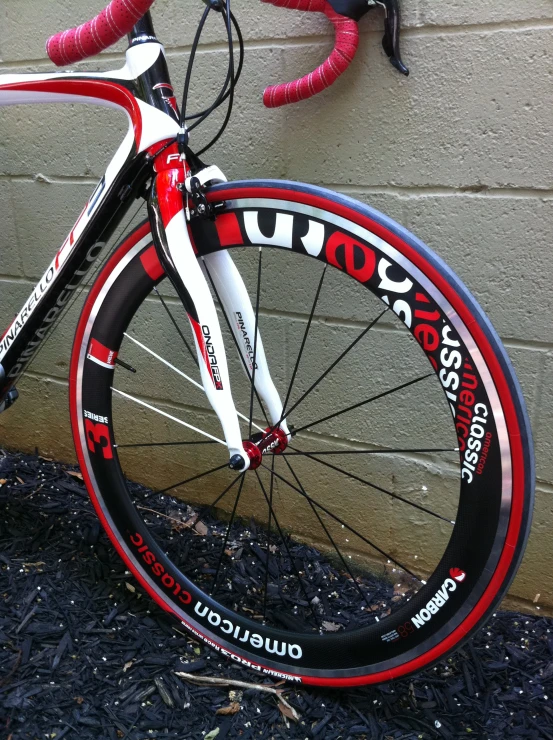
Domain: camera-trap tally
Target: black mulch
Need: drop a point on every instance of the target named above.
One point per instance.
(86, 655)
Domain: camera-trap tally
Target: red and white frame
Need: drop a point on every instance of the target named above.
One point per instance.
(151, 126)
(148, 125)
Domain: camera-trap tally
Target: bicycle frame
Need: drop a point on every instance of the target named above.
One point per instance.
(143, 90)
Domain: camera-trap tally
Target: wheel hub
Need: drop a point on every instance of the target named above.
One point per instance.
(270, 441)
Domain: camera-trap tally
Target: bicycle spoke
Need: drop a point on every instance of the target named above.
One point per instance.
(364, 403)
(165, 362)
(164, 444)
(215, 582)
(369, 452)
(240, 355)
(207, 509)
(179, 372)
(195, 477)
(378, 488)
(307, 329)
(331, 539)
(162, 515)
(268, 538)
(203, 512)
(255, 339)
(291, 557)
(338, 360)
(168, 416)
(347, 526)
(177, 327)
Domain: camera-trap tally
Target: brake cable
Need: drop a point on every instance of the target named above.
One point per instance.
(232, 77)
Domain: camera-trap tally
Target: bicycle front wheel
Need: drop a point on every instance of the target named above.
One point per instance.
(389, 528)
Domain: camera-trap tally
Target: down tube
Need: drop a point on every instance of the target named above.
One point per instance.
(93, 229)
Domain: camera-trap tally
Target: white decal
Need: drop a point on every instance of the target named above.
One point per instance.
(27, 310)
(403, 310)
(282, 237)
(96, 417)
(244, 635)
(474, 444)
(439, 599)
(386, 283)
(50, 317)
(314, 240)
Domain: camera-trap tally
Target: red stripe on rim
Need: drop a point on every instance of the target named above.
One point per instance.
(228, 230)
(151, 264)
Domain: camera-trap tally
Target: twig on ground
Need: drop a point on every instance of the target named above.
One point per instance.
(210, 681)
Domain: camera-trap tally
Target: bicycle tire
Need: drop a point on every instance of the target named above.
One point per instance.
(495, 501)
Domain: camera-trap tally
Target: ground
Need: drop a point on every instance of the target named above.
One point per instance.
(86, 654)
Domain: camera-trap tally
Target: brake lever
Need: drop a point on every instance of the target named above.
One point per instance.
(356, 9)
(392, 27)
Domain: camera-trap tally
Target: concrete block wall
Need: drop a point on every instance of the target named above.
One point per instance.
(461, 153)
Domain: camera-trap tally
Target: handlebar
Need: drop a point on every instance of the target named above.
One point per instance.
(106, 29)
(118, 19)
(345, 48)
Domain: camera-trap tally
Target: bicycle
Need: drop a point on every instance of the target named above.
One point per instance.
(270, 595)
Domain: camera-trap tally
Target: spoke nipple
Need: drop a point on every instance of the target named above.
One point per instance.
(237, 462)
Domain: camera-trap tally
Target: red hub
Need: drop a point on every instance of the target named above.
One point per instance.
(270, 440)
(254, 453)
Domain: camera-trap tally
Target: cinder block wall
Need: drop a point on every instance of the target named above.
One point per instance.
(461, 153)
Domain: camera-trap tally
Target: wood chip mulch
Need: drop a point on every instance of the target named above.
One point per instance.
(86, 654)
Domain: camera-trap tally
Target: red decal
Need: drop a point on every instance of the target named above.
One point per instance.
(169, 99)
(170, 197)
(427, 315)
(173, 103)
(200, 339)
(101, 355)
(151, 264)
(228, 230)
(427, 337)
(166, 157)
(366, 258)
(98, 434)
(421, 298)
(457, 574)
(156, 148)
(203, 337)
